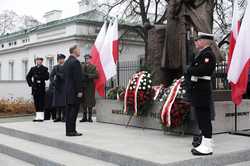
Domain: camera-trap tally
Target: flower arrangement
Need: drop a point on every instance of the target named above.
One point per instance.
(116, 93)
(175, 110)
(138, 94)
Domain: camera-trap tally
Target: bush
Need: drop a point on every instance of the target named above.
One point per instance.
(16, 106)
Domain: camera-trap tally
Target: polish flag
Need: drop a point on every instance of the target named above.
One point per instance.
(239, 53)
(105, 51)
(96, 60)
(107, 57)
(115, 40)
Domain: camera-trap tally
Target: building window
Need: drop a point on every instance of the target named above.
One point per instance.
(50, 63)
(11, 70)
(26, 40)
(25, 68)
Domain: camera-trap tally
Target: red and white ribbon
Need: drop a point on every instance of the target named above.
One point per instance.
(141, 74)
(166, 110)
(126, 96)
(157, 90)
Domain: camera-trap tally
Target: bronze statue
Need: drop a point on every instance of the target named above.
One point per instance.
(184, 19)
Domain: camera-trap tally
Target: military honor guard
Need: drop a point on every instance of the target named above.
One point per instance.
(36, 78)
(88, 101)
(57, 81)
(201, 71)
(73, 90)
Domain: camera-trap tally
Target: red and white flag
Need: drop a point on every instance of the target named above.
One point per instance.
(96, 60)
(105, 55)
(115, 40)
(239, 52)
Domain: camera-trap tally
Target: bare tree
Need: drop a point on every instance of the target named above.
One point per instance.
(7, 22)
(142, 13)
(222, 14)
(11, 22)
(28, 22)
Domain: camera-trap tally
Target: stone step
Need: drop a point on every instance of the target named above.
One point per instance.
(130, 146)
(246, 163)
(43, 155)
(6, 160)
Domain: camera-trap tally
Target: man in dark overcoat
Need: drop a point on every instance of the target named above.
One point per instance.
(88, 101)
(201, 71)
(36, 78)
(58, 82)
(73, 90)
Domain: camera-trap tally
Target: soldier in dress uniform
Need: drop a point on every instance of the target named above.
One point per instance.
(88, 101)
(36, 78)
(58, 82)
(201, 71)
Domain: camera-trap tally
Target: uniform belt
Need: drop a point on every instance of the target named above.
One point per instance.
(195, 78)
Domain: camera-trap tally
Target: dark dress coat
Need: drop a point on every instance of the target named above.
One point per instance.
(89, 75)
(36, 78)
(58, 82)
(203, 65)
(73, 80)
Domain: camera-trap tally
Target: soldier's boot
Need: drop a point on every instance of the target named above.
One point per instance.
(196, 140)
(63, 115)
(84, 118)
(90, 115)
(39, 117)
(205, 148)
(58, 119)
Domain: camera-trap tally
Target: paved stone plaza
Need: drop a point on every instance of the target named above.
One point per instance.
(106, 144)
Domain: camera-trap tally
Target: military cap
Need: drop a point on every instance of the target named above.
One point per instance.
(202, 35)
(60, 56)
(39, 58)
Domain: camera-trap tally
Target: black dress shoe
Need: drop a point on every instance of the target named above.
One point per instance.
(37, 120)
(57, 120)
(83, 120)
(74, 134)
(197, 153)
(78, 134)
(90, 120)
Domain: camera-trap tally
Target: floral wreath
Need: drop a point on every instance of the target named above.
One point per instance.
(138, 94)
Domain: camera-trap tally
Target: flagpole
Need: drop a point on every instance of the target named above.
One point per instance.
(118, 63)
(235, 118)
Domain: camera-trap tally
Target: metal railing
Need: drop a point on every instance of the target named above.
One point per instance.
(127, 69)
(220, 81)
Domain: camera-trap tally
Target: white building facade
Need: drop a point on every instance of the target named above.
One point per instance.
(18, 50)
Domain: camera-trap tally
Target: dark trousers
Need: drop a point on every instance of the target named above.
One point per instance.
(49, 113)
(71, 116)
(39, 101)
(203, 115)
(60, 113)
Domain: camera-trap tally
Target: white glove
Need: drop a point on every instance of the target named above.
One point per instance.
(79, 95)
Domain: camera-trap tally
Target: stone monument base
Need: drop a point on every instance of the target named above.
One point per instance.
(111, 111)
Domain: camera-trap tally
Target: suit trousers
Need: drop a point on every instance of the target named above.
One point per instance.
(39, 101)
(203, 115)
(71, 116)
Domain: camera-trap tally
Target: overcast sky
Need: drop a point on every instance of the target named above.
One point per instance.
(37, 8)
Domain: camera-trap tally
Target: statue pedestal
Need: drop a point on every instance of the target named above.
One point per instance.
(111, 111)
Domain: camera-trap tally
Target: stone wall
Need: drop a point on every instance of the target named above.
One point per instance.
(111, 111)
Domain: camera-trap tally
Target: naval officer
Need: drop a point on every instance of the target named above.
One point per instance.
(201, 71)
(36, 78)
